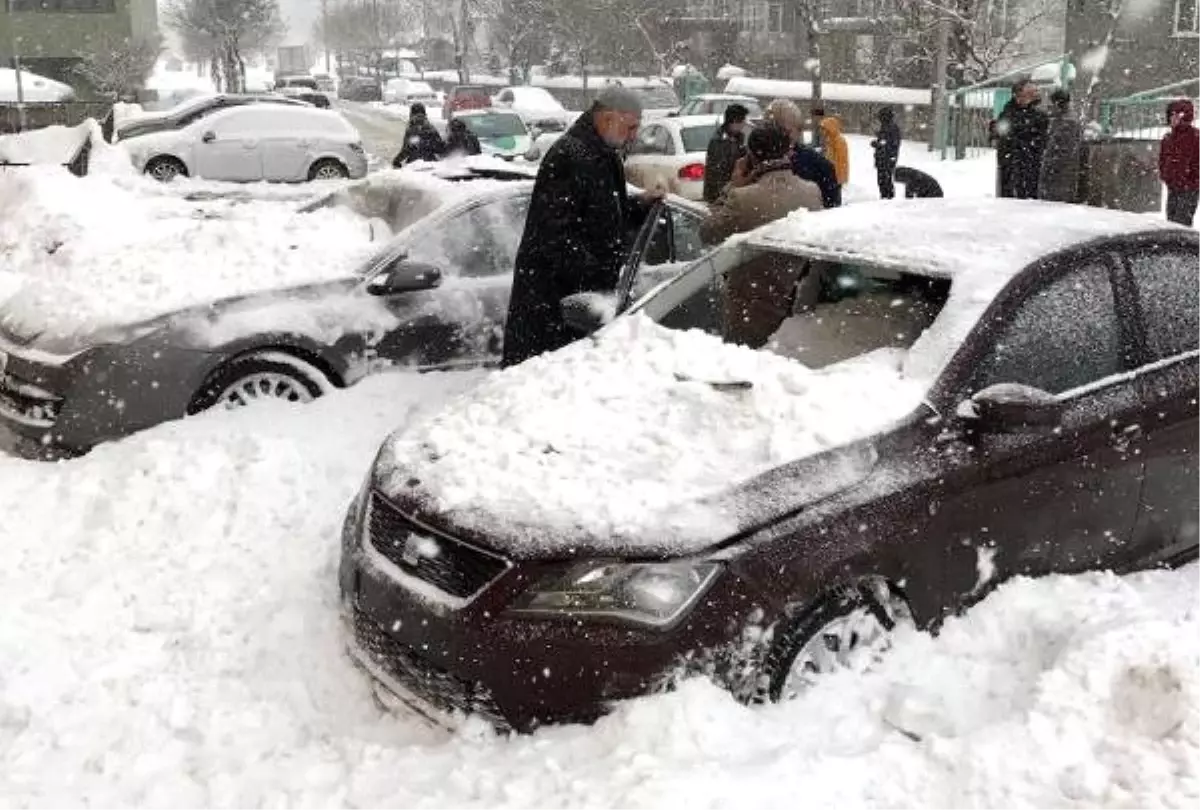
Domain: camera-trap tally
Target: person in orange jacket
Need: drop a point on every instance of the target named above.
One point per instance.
(836, 150)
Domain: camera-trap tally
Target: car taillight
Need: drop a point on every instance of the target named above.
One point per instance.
(692, 171)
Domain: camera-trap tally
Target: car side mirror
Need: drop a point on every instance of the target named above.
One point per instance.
(405, 277)
(673, 114)
(208, 137)
(587, 312)
(1012, 408)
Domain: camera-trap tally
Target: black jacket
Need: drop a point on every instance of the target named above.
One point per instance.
(811, 165)
(917, 184)
(462, 142)
(887, 145)
(1059, 177)
(421, 142)
(723, 152)
(580, 218)
(1021, 135)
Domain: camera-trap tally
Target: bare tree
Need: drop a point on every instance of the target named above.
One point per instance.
(366, 29)
(521, 35)
(226, 30)
(119, 66)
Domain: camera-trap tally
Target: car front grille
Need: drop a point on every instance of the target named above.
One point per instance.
(452, 566)
(426, 682)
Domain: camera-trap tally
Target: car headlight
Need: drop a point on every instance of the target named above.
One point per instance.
(654, 594)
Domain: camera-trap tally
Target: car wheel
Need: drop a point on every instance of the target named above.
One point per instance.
(850, 628)
(261, 377)
(166, 169)
(328, 169)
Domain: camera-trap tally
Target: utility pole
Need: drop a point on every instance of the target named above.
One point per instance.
(941, 112)
(325, 33)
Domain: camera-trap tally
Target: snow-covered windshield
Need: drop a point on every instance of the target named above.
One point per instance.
(495, 125)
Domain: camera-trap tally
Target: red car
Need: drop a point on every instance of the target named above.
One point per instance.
(466, 97)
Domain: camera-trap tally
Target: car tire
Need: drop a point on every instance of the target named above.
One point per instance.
(851, 621)
(260, 377)
(328, 169)
(165, 169)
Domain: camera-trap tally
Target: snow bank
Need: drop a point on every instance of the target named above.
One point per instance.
(100, 250)
(57, 146)
(617, 437)
(832, 91)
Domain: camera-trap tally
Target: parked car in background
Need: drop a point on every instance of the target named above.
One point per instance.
(502, 134)
(325, 82)
(536, 106)
(256, 142)
(935, 427)
(191, 110)
(434, 297)
(410, 91)
(715, 104)
(360, 88)
(658, 97)
(671, 152)
(305, 88)
(465, 97)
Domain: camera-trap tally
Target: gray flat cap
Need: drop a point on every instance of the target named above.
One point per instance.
(619, 99)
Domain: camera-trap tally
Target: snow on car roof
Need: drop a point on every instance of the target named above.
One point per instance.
(949, 236)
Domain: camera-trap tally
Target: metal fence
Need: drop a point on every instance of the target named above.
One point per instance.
(1143, 116)
(45, 114)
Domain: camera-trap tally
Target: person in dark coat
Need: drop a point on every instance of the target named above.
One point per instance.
(887, 151)
(576, 231)
(917, 184)
(460, 140)
(1179, 163)
(1059, 177)
(728, 144)
(1021, 133)
(421, 140)
(807, 163)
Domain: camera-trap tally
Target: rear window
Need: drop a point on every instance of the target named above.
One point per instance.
(695, 139)
(469, 92)
(657, 97)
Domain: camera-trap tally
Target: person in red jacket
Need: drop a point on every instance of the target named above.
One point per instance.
(1179, 163)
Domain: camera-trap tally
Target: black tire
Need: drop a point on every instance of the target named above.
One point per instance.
(165, 169)
(328, 166)
(881, 600)
(304, 376)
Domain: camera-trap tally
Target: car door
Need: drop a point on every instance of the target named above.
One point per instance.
(461, 323)
(287, 141)
(1036, 501)
(226, 145)
(1166, 281)
(667, 243)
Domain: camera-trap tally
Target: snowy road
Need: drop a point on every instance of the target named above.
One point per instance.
(381, 133)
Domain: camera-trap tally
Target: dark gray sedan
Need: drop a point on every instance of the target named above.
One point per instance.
(434, 298)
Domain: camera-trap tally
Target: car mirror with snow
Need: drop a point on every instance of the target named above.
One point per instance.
(1012, 408)
(589, 311)
(405, 277)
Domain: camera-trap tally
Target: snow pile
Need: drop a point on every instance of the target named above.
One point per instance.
(58, 145)
(97, 251)
(615, 438)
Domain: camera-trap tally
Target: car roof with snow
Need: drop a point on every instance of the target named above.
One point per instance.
(947, 237)
(688, 121)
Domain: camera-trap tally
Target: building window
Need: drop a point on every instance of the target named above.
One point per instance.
(1187, 17)
(775, 18)
(63, 6)
(754, 16)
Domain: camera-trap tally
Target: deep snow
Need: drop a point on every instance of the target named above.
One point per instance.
(170, 638)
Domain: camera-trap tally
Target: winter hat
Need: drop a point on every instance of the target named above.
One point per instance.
(417, 108)
(886, 114)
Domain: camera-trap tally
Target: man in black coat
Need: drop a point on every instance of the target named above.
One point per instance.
(460, 140)
(576, 231)
(1021, 132)
(887, 152)
(727, 146)
(421, 140)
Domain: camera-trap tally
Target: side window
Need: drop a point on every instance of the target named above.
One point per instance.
(479, 242)
(1168, 289)
(1063, 336)
(688, 245)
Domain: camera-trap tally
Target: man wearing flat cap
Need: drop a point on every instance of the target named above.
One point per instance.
(578, 222)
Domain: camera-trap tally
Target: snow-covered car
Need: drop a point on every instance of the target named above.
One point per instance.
(410, 91)
(671, 152)
(433, 297)
(193, 109)
(536, 107)
(837, 425)
(360, 88)
(501, 134)
(256, 142)
(304, 88)
(715, 104)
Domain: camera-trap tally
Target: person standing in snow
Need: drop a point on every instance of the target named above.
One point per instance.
(727, 146)
(421, 140)
(1059, 177)
(460, 140)
(835, 148)
(575, 233)
(1021, 132)
(807, 163)
(887, 151)
(1179, 163)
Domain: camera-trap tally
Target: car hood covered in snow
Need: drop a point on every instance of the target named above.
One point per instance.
(642, 440)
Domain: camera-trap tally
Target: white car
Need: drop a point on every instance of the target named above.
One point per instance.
(715, 104)
(670, 152)
(534, 105)
(256, 142)
(409, 91)
(501, 134)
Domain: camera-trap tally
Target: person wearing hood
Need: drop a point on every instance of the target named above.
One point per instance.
(580, 216)
(1021, 134)
(1179, 163)
(421, 140)
(460, 140)
(887, 151)
(807, 163)
(835, 147)
(726, 147)
(1059, 177)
